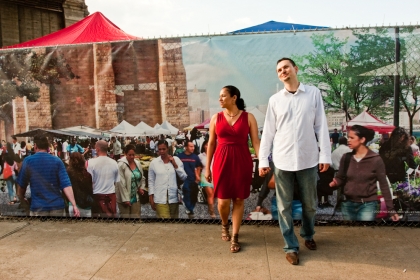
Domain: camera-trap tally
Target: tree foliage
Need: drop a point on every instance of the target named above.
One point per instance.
(23, 71)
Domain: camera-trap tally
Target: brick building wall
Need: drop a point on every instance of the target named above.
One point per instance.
(22, 20)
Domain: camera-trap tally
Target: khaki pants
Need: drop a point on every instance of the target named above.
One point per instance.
(52, 213)
(166, 211)
(132, 211)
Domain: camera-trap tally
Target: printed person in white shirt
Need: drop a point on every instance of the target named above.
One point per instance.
(163, 190)
(294, 115)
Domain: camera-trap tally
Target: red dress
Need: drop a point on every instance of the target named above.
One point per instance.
(232, 162)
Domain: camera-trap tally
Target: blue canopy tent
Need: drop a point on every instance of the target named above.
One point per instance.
(276, 26)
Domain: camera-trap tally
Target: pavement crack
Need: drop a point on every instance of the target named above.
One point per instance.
(266, 254)
(116, 251)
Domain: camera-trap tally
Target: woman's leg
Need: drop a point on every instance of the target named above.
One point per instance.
(223, 205)
(10, 190)
(367, 211)
(237, 214)
(210, 200)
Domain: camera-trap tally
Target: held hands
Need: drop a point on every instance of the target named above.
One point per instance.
(264, 171)
(127, 203)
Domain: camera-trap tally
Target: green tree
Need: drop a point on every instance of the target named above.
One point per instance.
(325, 67)
(22, 71)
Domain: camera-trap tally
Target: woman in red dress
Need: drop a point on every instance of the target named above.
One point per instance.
(232, 162)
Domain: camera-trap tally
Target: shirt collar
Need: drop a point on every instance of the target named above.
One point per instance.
(300, 88)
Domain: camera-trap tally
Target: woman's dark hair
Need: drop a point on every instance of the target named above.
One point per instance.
(399, 138)
(128, 148)
(161, 142)
(22, 144)
(232, 90)
(77, 161)
(194, 134)
(202, 146)
(365, 132)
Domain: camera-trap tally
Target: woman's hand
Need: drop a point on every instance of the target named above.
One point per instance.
(395, 217)
(207, 175)
(140, 191)
(152, 202)
(333, 183)
(172, 160)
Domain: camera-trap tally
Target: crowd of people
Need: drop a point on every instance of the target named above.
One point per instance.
(105, 179)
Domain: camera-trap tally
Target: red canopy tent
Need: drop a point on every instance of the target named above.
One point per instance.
(367, 120)
(203, 125)
(94, 28)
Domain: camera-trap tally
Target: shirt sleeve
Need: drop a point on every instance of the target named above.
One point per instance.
(116, 174)
(23, 176)
(269, 131)
(180, 170)
(152, 178)
(198, 162)
(321, 130)
(63, 176)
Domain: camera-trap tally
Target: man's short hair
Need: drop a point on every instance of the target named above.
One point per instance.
(342, 141)
(102, 146)
(41, 142)
(186, 143)
(286, 58)
(14, 138)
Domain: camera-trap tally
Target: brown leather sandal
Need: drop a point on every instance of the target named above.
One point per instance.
(225, 233)
(235, 247)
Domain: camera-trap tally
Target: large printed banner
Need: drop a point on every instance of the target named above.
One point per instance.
(178, 80)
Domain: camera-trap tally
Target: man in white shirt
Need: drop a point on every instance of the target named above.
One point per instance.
(294, 116)
(105, 174)
(116, 148)
(64, 150)
(338, 153)
(15, 145)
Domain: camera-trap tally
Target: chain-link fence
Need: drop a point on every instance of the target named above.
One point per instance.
(367, 76)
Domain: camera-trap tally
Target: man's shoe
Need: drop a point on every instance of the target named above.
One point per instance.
(310, 244)
(292, 258)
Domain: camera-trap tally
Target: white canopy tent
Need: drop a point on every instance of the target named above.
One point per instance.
(259, 116)
(122, 127)
(170, 127)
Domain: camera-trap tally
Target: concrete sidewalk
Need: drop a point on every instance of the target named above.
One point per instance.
(120, 250)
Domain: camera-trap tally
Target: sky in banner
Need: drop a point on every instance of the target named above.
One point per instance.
(246, 61)
(149, 18)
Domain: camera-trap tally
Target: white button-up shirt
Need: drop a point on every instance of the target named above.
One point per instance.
(162, 180)
(291, 122)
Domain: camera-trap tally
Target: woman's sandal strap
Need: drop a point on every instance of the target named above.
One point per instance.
(234, 244)
(225, 233)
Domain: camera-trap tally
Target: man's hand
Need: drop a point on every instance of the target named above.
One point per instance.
(323, 167)
(76, 212)
(152, 202)
(127, 203)
(264, 171)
